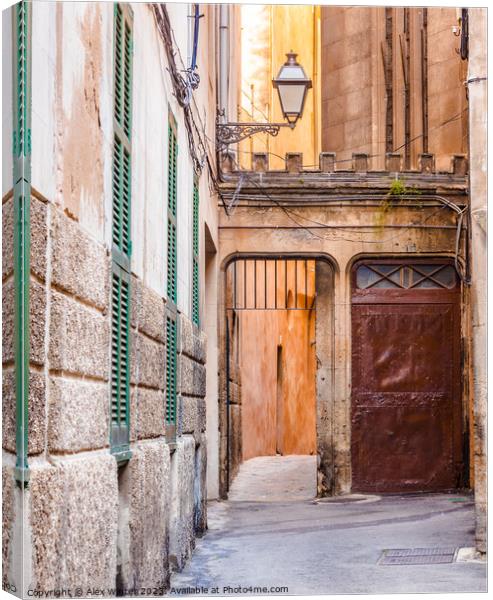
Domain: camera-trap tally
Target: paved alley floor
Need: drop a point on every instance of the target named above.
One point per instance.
(275, 479)
(272, 534)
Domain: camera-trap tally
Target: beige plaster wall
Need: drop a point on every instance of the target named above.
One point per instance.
(353, 115)
(478, 154)
(357, 230)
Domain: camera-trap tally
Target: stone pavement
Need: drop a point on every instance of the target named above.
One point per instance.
(273, 535)
(275, 479)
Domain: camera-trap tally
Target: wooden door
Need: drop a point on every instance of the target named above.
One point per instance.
(406, 406)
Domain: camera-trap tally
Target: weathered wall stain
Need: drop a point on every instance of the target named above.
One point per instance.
(82, 184)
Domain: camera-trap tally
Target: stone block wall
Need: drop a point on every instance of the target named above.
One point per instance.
(148, 355)
(64, 498)
(37, 324)
(8, 516)
(146, 494)
(191, 379)
(200, 488)
(188, 460)
(90, 521)
(361, 57)
(182, 539)
(230, 452)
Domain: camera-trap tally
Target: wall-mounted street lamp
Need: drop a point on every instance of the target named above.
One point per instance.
(292, 85)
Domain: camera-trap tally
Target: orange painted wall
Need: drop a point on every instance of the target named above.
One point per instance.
(279, 416)
(267, 33)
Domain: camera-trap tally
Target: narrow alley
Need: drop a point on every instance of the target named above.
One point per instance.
(244, 299)
(266, 536)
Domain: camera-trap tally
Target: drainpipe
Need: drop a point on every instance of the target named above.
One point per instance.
(22, 50)
(223, 61)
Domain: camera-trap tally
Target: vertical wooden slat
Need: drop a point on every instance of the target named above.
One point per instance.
(244, 284)
(295, 284)
(286, 283)
(306, 283)
(170, 371)
(265, 283)
(275, 283)
(255, 282)
(21, 130)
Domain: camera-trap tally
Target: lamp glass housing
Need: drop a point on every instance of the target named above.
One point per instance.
(292, 85)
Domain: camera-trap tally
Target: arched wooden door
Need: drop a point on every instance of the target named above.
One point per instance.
(406, 426)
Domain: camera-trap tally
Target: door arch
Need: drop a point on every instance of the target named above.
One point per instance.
(238, 296)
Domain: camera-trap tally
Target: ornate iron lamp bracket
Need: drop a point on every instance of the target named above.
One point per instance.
(231, 133)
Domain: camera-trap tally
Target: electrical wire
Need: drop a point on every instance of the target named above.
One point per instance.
(445, 202)
(183, 92)
(183, 86)
(255, 107)
(377, 155)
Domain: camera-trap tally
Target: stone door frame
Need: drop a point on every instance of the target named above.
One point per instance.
(325, 270)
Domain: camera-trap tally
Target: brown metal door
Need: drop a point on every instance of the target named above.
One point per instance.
(406, 406)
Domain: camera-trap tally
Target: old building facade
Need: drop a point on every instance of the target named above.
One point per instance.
(394, 79)
(109, 242)
(174, 306)
(390, 101)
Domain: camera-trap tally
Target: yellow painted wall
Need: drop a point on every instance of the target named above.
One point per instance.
(268, 33)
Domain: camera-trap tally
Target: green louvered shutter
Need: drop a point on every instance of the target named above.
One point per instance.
(172, 250)
(21, 155)
(171, 284)
(195, 258)
(170, 370)
(121, 234)
(120, 355)
(172, 260)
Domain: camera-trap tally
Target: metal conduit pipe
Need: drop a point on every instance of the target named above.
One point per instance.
(223, 61)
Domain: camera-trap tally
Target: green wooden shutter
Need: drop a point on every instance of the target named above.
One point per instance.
(171, 284)
(171, 289)
(21, 154)
(123, 68)
(121, 203)
(172, 166)
(195, 258)
(121, 234)
(120, 361)
(170, 370)
(172, 241)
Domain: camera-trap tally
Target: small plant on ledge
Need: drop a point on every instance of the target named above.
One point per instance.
(397, 191)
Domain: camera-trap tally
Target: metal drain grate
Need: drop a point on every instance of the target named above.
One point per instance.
(417, 556)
